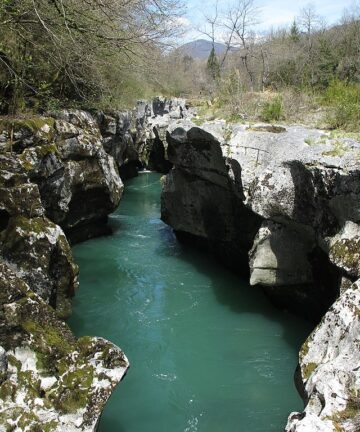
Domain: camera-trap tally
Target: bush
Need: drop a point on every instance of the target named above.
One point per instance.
(344, 102)
(272, 110)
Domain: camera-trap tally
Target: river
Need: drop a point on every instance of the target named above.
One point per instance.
(208, 352)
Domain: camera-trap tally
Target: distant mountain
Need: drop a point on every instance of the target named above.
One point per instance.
(201, 48)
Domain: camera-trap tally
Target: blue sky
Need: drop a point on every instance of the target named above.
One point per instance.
(273, 13)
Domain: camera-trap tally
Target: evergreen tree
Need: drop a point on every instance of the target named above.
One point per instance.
(213, 65)
(294, 32)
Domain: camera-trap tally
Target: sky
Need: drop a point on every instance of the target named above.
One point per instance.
(274, 13)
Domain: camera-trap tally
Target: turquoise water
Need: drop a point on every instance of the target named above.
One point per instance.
(208, 352)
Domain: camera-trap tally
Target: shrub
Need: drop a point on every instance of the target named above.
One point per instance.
(344, 102)
(272, 110)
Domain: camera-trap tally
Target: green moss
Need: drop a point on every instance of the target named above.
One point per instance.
(49, 426)
(85, 345)
(304, 350)
(308, 369)
(13, 361)
(33, 125)
(50, 335)
(37, 225)
(81, 377)
(7, 390)
(347, 252)
(72, 401)
(10, 414)
(29, 420)
(45, 364)
(74, 388)
(46, 149)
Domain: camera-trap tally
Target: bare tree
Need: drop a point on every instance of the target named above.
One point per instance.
(310, 22)
(239, 22)
(211, 24)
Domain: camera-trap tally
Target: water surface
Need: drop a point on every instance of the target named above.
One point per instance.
(207, 351)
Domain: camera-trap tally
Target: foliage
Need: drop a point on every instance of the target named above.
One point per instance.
(344, 102)
(272, 110)
(213, 65)
(55, 52)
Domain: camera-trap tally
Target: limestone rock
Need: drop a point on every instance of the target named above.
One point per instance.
(344, 249)
(78, 181)
(329, 362)
(31, 242)
(41, 252)
(276, 261)
(53, 381)
(54, 169)
(202, 196)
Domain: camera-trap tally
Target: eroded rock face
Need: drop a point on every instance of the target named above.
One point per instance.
(274, 261)
(329, 362)
(202, 196)
(30, 242)
(302, 187)
(48, 379)
(137, 139)
(58, 170)
(78, 182)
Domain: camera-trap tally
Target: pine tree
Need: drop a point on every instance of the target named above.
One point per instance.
(213, 65)
(294, 32)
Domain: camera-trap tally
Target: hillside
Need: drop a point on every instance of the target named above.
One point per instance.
(200, 49)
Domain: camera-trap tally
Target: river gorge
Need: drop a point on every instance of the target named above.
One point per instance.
(207, 351)
(179, 280)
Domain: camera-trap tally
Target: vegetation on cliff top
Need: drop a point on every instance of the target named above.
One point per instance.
(92, 53)
(66, 52)
(307, 71)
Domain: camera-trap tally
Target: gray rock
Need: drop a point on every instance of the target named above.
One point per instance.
(329, 362)
(276, 261)
(202, 196)
(305, 188)
(3, 364)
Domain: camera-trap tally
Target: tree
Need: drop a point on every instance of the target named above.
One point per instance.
(294, 32)
(74, 49)
(310, 23)
(239, 22)
(213, 66)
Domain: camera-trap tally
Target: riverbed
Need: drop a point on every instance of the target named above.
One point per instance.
(208, 352)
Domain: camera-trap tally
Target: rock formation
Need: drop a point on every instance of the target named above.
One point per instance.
(202, 196)
(286, 203)
(59, 180)
(52, 172)
(137, 138)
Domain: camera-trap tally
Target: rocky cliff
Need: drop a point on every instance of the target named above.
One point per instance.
(283, 203)
(137, 138)
(48, 379)
(59, 180)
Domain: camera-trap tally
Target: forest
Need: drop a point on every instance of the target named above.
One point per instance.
(107, 53)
